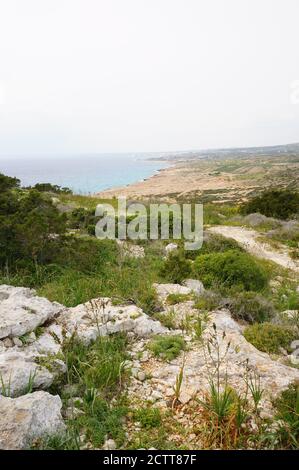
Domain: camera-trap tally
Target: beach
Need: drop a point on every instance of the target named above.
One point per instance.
(215, 178)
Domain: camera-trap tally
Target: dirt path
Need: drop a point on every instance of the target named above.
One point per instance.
(248, 239)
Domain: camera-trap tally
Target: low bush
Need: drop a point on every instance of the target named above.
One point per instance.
(278, 203)
(269, 338)
(148, 417)
(214, 243)
(176, 267)
(208, 301)
(251, 307)
(231, 268)
(167, 347)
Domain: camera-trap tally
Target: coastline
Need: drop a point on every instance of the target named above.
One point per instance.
(215, 177)
(159, 184)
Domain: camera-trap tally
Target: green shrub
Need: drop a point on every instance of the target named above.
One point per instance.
(167, 347)
(251, 307)
(269, 338)
(231, 268)
(208, 301)
(278, 203)
(148, 417)
(214, 243)
(51, 188)
(176, 267)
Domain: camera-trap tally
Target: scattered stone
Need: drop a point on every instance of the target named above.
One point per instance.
(110, 444)
(8, 343)
(130, 250)
(72, 412)
(17, 342)
(199, 363)
(74, 400)
(141, 376)
(28, 418)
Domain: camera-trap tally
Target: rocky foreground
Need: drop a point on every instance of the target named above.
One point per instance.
(33, 329)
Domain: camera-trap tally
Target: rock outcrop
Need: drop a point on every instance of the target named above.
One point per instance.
(31, 362)
(21, 311)
(100, 318)
(29, 418)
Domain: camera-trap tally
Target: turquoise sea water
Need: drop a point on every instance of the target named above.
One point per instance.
(85, 173)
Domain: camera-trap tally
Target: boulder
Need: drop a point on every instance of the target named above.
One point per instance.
(21, 311)
(29, 418)
(18, 372)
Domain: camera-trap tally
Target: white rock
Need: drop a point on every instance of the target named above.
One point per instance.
(130, 250)
(72, 412)
(27, 418)
(110, 444)
(236, 355)
(164, 290)
(50, 342)
(17, 342)
(170, 248)
(100, 318)
(292, 314)
(141, 376)
(195, 286)
(21, 311)
(31, 338)
(17, 371)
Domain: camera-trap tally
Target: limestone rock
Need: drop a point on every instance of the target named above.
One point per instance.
(164, 290)
(110, 444)
(199, 364)
(50, 342)
(18, 371)
(130, 250)
(195, 285)
(100, 318)
(25, 419)
(21, 311)
(170, 248)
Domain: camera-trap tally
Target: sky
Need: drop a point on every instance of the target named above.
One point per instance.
(100, 76)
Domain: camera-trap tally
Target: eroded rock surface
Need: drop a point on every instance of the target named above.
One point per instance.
(25, 419)
(19, 373)
(100, 318)
(21, 311)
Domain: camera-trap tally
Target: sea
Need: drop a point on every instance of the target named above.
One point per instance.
(85, 173)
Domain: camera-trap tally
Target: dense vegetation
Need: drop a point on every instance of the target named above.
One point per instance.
(281, 204)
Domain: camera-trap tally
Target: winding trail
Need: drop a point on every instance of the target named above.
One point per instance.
(248, 239)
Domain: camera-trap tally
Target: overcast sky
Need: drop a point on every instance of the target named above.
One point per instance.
(147, 75)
